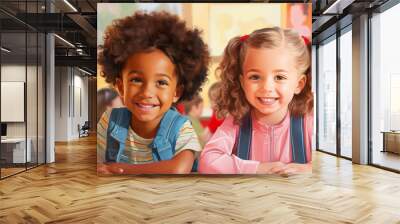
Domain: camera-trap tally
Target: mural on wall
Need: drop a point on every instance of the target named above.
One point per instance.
(299, 17)
(158, 130)
(107, 12)
(225, 24)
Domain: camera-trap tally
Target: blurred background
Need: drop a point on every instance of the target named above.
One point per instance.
(219, 22)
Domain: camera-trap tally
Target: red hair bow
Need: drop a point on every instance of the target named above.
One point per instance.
(244, 38)
(306, 40)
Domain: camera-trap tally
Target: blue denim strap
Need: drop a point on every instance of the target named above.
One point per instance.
(163, 145)
(245, 135)
(117, 132)
(297, 140)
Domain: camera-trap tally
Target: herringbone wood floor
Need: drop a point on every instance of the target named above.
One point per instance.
(70, 192)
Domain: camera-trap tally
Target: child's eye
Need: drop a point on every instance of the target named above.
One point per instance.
(280, 77)
(135, 80)
(162, 83)
(254, 77)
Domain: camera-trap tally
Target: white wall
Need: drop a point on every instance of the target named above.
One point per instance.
(34, 124)
(71, 94)
(61, 103)
(12, 73)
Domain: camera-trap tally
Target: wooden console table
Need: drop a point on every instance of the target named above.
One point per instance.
(391, 141)
(13, 150)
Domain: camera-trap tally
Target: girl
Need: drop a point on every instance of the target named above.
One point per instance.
(155, 61)
(267, 94)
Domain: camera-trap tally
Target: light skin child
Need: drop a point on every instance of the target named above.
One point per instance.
(196, 110)
(269, 80)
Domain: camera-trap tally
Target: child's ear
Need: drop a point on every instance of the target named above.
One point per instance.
(120, 87)
(301, 82)
(178, 93)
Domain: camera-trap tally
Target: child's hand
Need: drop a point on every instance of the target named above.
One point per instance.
(270, 167)
(295, 168)
(111, 168)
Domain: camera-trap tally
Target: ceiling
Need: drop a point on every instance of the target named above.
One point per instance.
(332, 15)
(76, 25)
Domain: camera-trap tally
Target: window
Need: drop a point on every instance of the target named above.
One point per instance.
(22, 67)
(385, 87)
(345, 93)
(327, 96)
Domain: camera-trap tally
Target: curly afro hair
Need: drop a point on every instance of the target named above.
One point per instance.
(157, 30)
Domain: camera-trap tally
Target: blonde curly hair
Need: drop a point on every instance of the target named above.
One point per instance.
(231, 98)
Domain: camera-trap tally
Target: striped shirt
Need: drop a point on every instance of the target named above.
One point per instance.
(137, 150)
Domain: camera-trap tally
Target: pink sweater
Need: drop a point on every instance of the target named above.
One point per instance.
(269, 144)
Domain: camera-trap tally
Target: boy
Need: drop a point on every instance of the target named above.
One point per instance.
(155, 62)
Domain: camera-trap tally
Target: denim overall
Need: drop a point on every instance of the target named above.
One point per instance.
(296, 139)
(163, 145)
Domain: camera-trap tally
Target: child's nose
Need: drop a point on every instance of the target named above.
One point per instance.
(147, 90)
(268, 85)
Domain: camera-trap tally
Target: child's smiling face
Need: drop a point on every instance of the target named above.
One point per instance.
(148, 86)
(269, 80)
